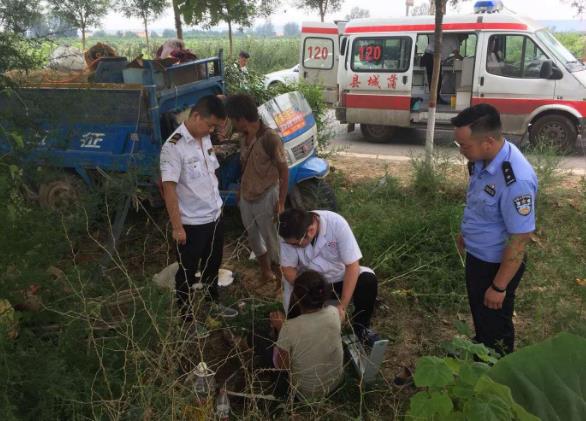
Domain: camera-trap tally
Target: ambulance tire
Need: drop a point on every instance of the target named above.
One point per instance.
(313, 194)
(61, 194)
(377, 133)
(556, 131)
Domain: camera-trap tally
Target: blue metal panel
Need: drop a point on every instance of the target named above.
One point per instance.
(313, 167)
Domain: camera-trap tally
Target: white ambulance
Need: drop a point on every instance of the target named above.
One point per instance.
(372, 70)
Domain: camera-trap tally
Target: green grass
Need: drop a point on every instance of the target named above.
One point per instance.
(405, 230)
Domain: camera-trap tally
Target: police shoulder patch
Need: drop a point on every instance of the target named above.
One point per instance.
(175, 138)
(523, 204)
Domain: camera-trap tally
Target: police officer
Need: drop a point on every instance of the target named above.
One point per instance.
(323, 241)
(188, 164)
(498, 220)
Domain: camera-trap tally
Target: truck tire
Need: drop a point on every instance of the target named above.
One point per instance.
(313, 194)
(554, 130)
(60, 194)
(377, 133)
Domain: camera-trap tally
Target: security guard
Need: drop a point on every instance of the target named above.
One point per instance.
(188, 164)
(498, 220)
(323, 241)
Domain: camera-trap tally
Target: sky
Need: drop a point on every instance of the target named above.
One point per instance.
(547, 10)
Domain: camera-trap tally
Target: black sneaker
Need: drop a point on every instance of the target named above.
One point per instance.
(366, 336)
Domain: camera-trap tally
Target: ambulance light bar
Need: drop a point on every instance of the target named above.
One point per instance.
(491, 6)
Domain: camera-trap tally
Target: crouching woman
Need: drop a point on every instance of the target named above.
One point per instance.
(309, 346)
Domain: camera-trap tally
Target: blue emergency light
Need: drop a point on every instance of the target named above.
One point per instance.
(491, 6)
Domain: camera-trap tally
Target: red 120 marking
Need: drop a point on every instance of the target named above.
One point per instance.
(318, 53)
(370, 53)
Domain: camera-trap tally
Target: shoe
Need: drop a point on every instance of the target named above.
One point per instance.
(404, 377)
(366, 336)
(225, 312)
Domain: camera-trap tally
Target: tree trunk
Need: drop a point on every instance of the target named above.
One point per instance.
(146, 33)
(230, 37)
(83, 29)
(433, 94)
(178, 24)
(322, 10)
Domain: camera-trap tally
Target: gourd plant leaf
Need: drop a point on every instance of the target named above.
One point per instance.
(486, 386)
(487, 407)
(426, 405)
(432, 372)
(547, 379)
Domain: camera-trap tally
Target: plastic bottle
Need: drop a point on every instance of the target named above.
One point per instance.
(223, 406)
(203, 388)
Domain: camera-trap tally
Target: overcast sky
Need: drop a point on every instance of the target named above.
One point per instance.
(547, 10)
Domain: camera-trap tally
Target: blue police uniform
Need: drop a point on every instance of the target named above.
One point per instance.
(500, 202)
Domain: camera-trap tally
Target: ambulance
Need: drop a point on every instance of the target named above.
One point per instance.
(371, 70)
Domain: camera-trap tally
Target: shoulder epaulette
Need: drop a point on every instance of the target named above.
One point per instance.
(508, 173)
(175, 138)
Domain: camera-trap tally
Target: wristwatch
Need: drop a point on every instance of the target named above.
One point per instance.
(497, 289)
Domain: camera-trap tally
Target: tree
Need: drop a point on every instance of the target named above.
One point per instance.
(423, 9)
(82, 14)
(322, 6)
(358, 13)
(579, 5)
(19, 16)
(145, 10)
(233, 12)
(267, 29)
(291, 29)
(177, 17)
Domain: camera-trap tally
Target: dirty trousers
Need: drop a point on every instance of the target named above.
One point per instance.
(258, 218)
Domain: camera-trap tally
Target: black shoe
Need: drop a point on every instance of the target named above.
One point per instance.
(366, 336)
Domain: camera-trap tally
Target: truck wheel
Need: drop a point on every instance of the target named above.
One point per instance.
(377, 133)
(556, 131)
(60, 194)
(313, 194)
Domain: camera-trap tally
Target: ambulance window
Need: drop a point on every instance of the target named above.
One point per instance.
(468, 47)
(514, 56)
(381, 54)
(318, 53)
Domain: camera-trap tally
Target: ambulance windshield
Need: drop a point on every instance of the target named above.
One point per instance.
(560, 52)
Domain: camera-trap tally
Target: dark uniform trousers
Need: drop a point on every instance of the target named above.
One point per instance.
(203, 250)
(364, 298)
(494, 328)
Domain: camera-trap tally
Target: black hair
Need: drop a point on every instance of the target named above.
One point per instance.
(293, 223)
(208, 106)
(482, 119)
(244, 54)
(242, 106)
(311, 290)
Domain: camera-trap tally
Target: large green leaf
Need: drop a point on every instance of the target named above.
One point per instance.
(487, 408)
(427, 405)
(548, 379)
(432, 372)
(486, 386)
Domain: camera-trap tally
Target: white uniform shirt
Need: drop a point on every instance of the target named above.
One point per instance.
(334, 248)
(192, 166)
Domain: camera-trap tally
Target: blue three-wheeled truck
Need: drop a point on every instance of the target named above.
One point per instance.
(117, 124)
